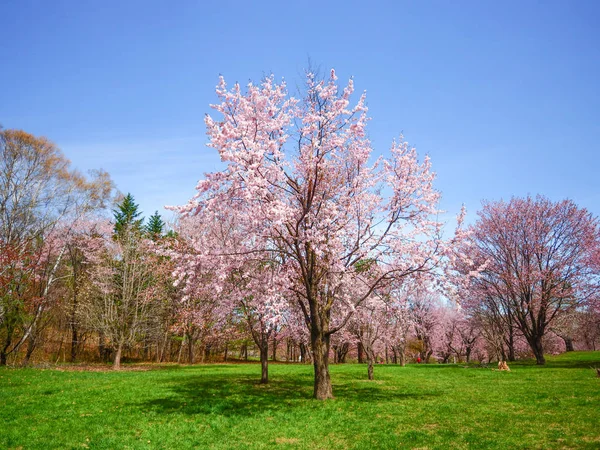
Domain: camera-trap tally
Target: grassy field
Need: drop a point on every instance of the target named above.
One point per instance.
(221, 406)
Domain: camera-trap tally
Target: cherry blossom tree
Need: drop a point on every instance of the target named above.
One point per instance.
(198, 311)
(458, 336)
(342, 342)
(400, 327)
(300, 175)
(239, 283)
(256, 294)
(469, 336)
(369, 324)
(539, 259)
(448, 344)
(426, 314)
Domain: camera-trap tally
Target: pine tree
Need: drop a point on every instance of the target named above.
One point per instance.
(155, 226)
(126, 216)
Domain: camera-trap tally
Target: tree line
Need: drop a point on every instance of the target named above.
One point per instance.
(302, 245)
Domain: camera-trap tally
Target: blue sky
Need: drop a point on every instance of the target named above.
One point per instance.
(503, 96)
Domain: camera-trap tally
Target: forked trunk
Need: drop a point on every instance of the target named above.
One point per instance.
(30, 348)
(320, 347)
(244, 351)
(340, 352)
(428, 356)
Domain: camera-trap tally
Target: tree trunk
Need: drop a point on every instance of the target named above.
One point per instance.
(74, 342)
(146, 351)
(264, 362)
(303, 352)
(7, 342)
(511, 346)
(31, 343)
(360, 353)
(501, 354)
(118, 353)
(190, 349)
(370, 368)
(74, 330)
(180, 349)
(226, 350)
(569, 344)
(274, 349)
(340, 352)
(102, 349)
(370, 361)
(370, 354)
(162, 352)
(538, 350)
(320, 348)
(401, 358)
(428, 356)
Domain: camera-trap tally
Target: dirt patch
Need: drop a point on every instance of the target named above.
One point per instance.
(283, 440)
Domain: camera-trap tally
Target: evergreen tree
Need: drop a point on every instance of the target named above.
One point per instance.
(155, 226)
(171, 234)
(126, 216)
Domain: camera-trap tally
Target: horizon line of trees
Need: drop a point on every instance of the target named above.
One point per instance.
(298, 262)
(98, 290)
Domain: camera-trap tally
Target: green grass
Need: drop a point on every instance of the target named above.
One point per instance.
(221, 406)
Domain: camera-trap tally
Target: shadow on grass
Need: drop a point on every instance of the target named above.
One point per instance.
(200, 390)
(240, 395)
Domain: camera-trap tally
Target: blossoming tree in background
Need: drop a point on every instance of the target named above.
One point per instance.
(540, 260)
